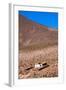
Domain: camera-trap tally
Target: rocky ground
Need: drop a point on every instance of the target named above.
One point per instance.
(28, 59)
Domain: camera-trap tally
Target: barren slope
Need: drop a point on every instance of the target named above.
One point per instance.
(35, 36)
(37, 44)
(28, 59)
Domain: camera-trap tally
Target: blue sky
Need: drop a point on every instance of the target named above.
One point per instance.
(49, 19)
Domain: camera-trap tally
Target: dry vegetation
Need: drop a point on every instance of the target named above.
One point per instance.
(29, 58)
(37, 45)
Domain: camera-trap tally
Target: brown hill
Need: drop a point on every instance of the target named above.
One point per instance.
(34, 36)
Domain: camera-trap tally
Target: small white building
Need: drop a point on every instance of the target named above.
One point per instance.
(37, 66)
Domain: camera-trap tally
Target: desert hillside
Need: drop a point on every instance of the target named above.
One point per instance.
(37, 44)
(33, 35)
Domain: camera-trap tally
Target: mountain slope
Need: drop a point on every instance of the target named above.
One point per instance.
(34, 36)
